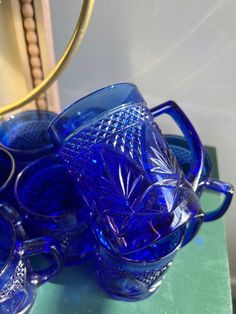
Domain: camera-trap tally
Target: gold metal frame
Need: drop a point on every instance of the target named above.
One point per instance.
(79, 32)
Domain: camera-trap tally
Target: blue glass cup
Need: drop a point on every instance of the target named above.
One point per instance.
(51, 206)
(25, 136)
(123, 166)
(136, 276)
(18, 280)
(183, 154)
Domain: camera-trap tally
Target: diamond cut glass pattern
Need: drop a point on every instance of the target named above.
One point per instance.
(143, 209)
(125, 170)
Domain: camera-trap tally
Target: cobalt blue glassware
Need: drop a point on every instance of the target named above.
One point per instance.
(124, 168)
(51, 206)
(25, 136)
(183, 154)
(126, 215)
(135, 276)
(173, 110)
(18, 280)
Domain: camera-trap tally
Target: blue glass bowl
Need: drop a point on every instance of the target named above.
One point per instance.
(51, 206)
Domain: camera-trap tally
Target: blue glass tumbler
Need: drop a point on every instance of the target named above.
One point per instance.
(18, 280)
(51, 206)
(124, 167)
(183, 154)
(136, 276)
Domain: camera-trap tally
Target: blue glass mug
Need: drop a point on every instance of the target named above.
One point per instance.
(119, 127)
(183, 154)
(136, 276)
(18, 280)
(24, 135)
(51, 206)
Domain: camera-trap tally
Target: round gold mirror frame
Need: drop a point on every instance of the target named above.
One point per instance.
(79, 32)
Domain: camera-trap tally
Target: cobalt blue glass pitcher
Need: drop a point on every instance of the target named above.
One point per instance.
(124, 168)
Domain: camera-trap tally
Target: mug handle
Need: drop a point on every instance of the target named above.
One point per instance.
(221, 187)
(173, 110)
(193, 227)
(36, 246)
(44, 245)
(14, 216)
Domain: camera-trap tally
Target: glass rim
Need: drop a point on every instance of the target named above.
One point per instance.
(98, 117)
(20, 177)
(12, 171)
(27, 151)
(138, 263)
(125, 259)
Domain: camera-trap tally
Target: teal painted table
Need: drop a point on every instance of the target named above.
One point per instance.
(197, 283)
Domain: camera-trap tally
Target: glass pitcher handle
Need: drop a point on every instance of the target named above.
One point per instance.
(172, 109)
(221, 187)
(44, 245)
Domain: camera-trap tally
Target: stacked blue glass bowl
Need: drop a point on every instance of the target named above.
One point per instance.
(103, 182)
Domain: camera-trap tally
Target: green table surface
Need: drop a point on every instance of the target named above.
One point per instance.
(198, 282)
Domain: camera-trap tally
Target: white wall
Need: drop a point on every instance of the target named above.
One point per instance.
(181, 50)
(13, 58)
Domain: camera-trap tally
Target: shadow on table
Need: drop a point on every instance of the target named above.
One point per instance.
(80, 290)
